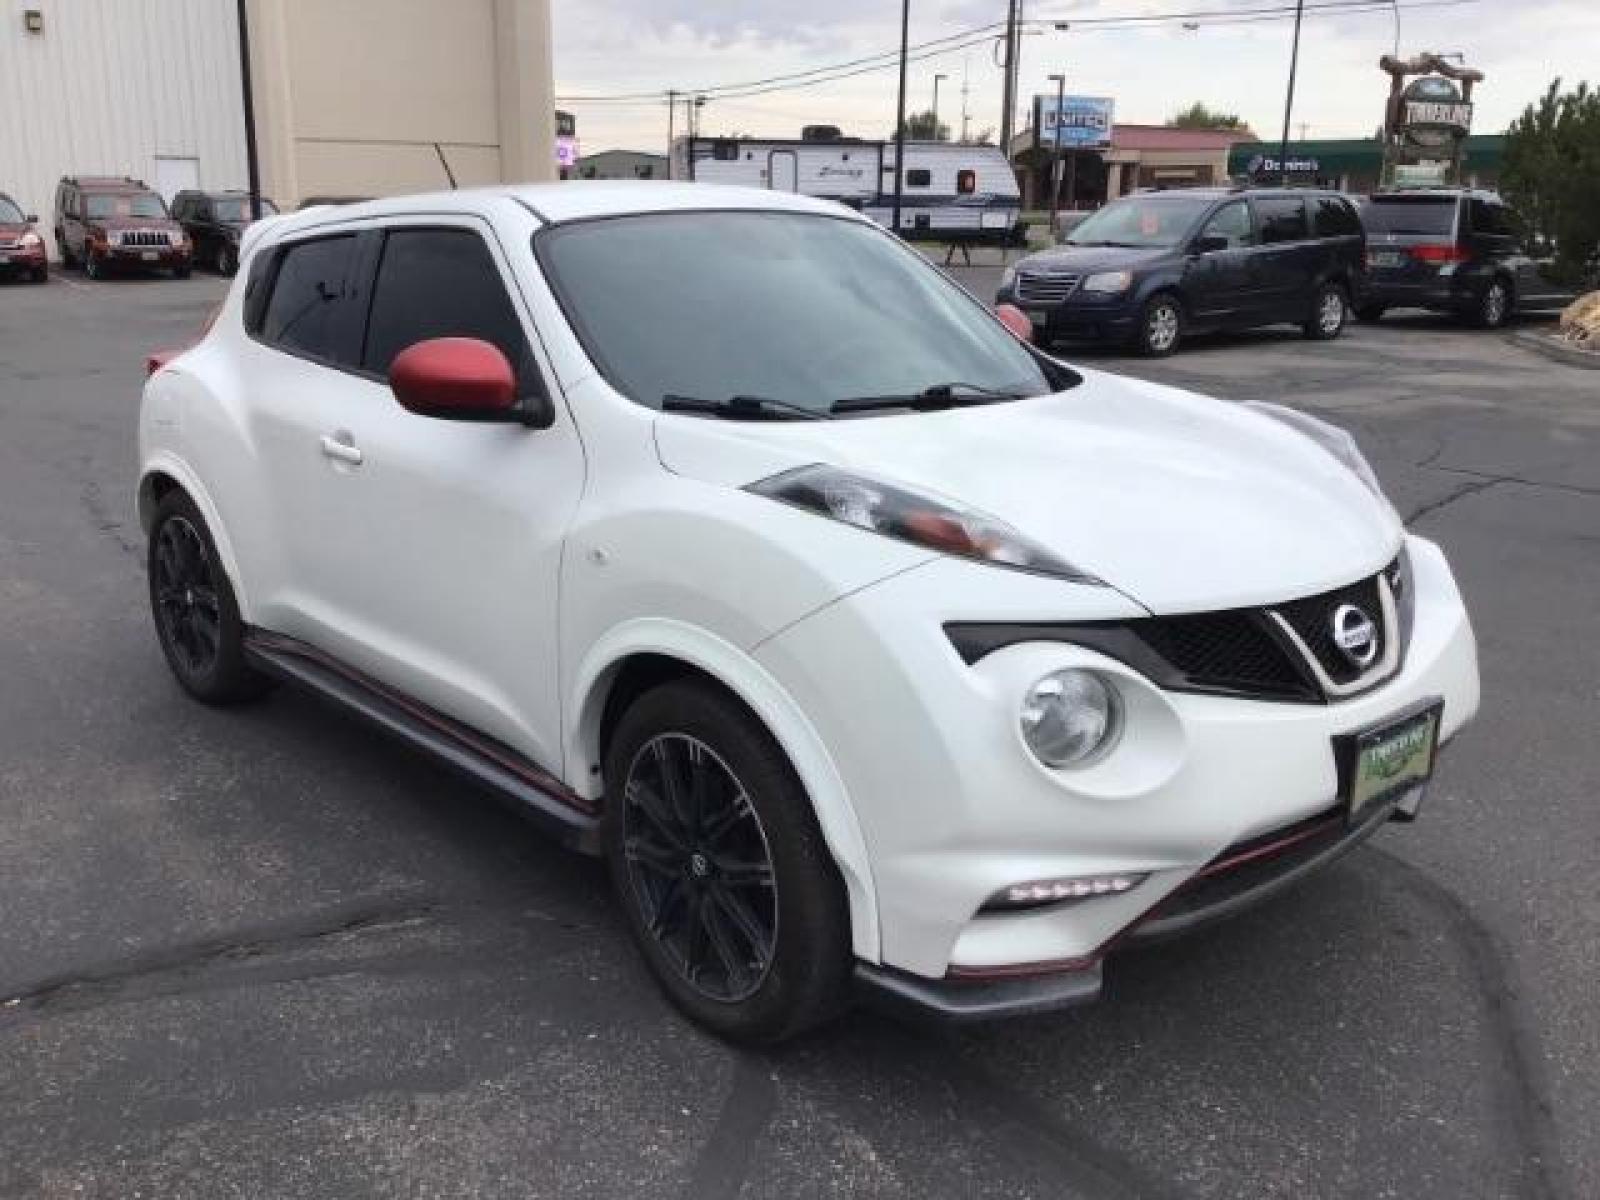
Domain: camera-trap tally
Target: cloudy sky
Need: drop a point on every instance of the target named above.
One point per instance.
(612, 47)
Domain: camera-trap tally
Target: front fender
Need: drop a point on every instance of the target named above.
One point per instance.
(762, 693)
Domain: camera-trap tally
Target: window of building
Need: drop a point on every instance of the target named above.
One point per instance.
(1333, 216)
(919, 177)
(434, 283)
(1283, 218)
(302, 313)
(724, 151)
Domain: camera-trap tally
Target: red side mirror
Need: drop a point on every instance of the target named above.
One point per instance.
(454, 377)
(1014, 319)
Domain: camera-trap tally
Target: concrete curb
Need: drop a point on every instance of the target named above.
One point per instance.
(1543, 343)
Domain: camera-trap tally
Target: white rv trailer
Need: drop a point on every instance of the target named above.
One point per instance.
(950, 192)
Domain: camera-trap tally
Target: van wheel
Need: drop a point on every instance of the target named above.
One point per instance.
(196, 616)
(1329, 310)
(1494, 306)
(1371, 313)
(1160, 326)
(729, 890)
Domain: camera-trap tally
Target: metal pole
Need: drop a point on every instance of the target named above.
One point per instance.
(252, 162)
(936, 80)
(900, 115)
(1288, 100)
(672, 113)
(1009, 90)
(1058, 159)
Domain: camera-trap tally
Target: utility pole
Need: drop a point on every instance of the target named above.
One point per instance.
(1057, 160)
(1009, 90)
(1288, 100)
(966, 87)
(936, 80)
(672, 112)
(252, 161)
(900, 114)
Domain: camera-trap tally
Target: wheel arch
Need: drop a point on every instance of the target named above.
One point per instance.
(637, 655)
(164, 473)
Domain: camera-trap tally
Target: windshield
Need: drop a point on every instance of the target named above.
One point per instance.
(1410, 214)
(1149, 221)
(804, 311)
(237, 208)
(123, 204)
(10, 214)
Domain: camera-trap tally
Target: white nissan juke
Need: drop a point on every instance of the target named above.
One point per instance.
(879, 653)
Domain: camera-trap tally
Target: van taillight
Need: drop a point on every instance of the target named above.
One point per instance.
(1439, 254)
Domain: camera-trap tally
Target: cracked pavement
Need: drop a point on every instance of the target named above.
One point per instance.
(264, 952)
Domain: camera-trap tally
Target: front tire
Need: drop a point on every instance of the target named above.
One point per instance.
(1329, 312)
(729, 889)
(1160, 326)
(192, 603)
(41, 275)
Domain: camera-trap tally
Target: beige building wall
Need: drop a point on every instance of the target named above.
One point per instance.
(353, 96)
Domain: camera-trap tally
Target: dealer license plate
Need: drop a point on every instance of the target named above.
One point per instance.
(149, 256)
(1390, 758)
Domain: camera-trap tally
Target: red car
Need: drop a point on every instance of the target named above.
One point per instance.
(21, 247)
(106, 224)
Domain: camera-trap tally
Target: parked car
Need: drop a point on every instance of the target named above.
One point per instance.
(1455, 250)
(108, 224)
(1152, 267)
(214, 221)
(21, 247)
(874, 648)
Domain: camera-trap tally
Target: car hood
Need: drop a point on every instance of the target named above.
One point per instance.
(1091, 258)
(1183, 503)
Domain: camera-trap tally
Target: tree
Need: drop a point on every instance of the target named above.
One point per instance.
(1551, 173)
(925, 127)
(1198, 116)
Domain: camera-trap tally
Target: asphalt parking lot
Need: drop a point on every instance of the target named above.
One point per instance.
(263, 952)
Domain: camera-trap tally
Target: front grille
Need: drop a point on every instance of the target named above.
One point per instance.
(154, 238)
(7, 242)
(1226, 651)
(1312, 619)
(1045, 288)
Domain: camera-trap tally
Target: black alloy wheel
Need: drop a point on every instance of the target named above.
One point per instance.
(700, 867)
(188, 610)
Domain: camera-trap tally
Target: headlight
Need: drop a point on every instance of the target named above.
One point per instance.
(1330, 437)
(1069, 717)
(1109, 281)
(1008, 278)
(32, 239)
(909, 517)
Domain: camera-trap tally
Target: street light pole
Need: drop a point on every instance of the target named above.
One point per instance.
(1288, 100)
(252, 161)
(900, 114)
(936, 80)
(1009, 88)
(1056, 159)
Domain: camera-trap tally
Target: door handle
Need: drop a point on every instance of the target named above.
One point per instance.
(341, 446)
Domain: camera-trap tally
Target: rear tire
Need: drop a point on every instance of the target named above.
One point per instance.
(1329, 311)
(1160, 326)
(192, 604)
(1493, 307)
(1370, 313)
(729, 890)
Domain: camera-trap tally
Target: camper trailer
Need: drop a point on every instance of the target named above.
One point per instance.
(950, 192)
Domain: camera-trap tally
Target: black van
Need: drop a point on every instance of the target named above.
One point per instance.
(1455, 250)
(1153, 266)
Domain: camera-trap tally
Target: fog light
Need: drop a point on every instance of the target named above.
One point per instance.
(1068, 717)
(1040, 892)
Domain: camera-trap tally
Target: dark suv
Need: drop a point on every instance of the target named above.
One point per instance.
(214, 222)
(1455, 250)
(106, 224)
(21, 248)
(1150, 267)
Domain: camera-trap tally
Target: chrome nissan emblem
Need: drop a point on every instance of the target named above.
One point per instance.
(1355, 635)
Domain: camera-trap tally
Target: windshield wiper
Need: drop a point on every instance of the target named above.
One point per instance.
(742, 408)
(940, 395)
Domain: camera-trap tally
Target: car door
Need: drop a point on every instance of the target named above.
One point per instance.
(1221, 285)
(437, 543)
(1286, 258)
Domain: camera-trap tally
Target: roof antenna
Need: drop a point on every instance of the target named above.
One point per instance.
(445, 163)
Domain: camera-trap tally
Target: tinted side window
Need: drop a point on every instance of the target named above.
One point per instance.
(440, 283)
(1231, 221)
(1283, 218)
(1332, 216)
(1492, 219)
(302, 313)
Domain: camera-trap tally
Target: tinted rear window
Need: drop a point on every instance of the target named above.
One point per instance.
(1410, 214)
(302, 315)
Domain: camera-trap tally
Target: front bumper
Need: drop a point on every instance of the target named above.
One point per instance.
(22, 259)
(953, 808)
(1081, 317)
(151, 258)
(1441, 293)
